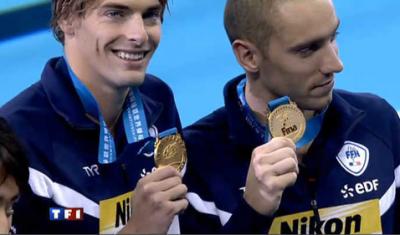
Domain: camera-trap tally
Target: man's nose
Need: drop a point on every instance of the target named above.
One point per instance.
(331, 62)
(135, 30)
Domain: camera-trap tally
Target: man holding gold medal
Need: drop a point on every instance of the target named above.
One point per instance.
(288, 153)
(101, 134)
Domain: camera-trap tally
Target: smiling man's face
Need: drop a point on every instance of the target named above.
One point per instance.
(113, 43)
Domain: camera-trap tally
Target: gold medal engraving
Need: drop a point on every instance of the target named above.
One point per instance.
(170, 151)
(287, 121)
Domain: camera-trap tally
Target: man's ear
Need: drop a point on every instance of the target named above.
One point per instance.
(68, 26)
(247, 55)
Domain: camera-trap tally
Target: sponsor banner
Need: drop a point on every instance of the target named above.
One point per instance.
(358, 218)
(115, 213)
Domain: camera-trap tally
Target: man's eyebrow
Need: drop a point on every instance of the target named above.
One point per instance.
(302, 45)
(154, 8)
(112, 5)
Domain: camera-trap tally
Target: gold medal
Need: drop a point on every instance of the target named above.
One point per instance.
(288, 121)
(170, 151)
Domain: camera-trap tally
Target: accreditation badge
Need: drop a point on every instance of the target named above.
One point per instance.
(287, 120)
(170, 151)
(115, 213)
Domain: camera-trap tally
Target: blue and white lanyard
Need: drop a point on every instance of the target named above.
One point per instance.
(135, 123)
(260, 129)
(313, 126)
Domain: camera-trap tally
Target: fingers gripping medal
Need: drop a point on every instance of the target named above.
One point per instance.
(170, 151)
(286, 119)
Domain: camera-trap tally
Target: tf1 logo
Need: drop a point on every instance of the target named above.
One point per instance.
(58, 213)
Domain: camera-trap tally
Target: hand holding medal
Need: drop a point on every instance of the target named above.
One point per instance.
(160, 196)
(274, 165)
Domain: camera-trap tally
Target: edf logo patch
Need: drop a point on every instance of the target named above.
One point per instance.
(353, 157)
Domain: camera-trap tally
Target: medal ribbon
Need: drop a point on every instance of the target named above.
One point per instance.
(313, 125)
(134, 118)
(168, 132)
(253, 122)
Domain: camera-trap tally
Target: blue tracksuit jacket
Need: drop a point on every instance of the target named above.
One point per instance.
(62, 146)
(352, 171)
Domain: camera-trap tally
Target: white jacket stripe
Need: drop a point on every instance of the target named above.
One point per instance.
(388, 198)
(207, 207)
(64, 196)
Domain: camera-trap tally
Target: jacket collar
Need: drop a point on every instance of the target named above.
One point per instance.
(340, 118)
(65, 101)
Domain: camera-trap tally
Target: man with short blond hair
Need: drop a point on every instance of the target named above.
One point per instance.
(288, 154)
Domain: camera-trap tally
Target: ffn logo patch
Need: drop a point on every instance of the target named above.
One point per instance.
(353, 157)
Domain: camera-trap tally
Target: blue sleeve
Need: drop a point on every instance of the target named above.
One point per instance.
(396, 152)
(205, 216)
(246, 220)
(390, 131)
(214, 179)
(243, 220)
